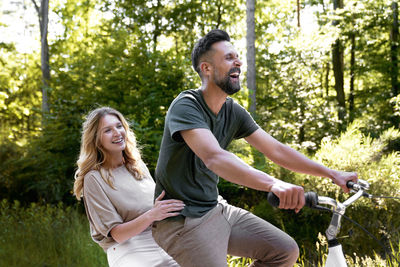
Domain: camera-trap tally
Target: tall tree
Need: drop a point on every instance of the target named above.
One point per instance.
(251, 53)
(326, 84)
(394, 47)
(352, 74)
(43, 15)
(157, 22)
(298, 13)
(394, 50)
(338, 66)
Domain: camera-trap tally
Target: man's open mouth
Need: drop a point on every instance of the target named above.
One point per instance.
(234, 73)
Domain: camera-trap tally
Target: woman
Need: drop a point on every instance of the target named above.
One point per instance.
(118, 192)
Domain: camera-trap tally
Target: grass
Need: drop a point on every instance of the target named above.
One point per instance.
(59, 236)
(46, 236)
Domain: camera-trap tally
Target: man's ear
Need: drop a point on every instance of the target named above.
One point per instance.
(205, 68)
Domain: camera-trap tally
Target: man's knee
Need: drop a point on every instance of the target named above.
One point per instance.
(286, 254)
(292, 253)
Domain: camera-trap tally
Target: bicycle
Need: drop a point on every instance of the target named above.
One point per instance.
(336, 256)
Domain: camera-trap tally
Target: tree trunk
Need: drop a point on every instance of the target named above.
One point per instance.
(251, 54)
(327, 69)
(298, 13)
(43, 15)
(157, 30)
(219, 14)
(352, 75)
(302, 131)
(338, 66)
(394, 47)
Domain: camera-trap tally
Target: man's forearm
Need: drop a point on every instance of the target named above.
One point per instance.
(286, 156)
(293, 160)
(233, 169)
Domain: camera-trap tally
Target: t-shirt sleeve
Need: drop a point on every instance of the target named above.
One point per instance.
(100, 211)
(247, 123)
(185, 114)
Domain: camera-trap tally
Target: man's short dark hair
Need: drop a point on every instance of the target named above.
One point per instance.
(204, 45)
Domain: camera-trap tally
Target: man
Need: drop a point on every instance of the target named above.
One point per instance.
(199, 126)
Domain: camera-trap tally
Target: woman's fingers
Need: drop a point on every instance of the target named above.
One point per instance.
(171, 201)
(167, 201)
(173, 207)
(176, 207)
(170, 206)
(168, 210)
(160, 196)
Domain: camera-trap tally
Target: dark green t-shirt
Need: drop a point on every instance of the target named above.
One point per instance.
(179, 171)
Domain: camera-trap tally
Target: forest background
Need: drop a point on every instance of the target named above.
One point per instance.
(328, 87)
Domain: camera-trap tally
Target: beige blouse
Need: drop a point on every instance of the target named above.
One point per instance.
(107, 207)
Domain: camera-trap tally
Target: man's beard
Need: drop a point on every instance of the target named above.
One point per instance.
(226, 85)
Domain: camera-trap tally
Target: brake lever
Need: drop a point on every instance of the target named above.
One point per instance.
(360, 185)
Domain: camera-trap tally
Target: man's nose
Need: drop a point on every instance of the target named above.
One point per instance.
(238, 62)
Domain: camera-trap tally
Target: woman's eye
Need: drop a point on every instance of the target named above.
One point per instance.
(107, 131)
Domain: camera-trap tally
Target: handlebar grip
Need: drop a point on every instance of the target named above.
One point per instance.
(311, 199)
(350, 184)
(273, 200)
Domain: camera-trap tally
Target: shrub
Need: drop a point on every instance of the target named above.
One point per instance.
(380, 166)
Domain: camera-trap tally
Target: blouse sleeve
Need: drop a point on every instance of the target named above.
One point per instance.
(100, 211)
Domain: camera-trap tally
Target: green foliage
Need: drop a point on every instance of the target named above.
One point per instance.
(46, 236)
(302, 115)
(354, 260)
(370, 158)
(135, 56)
(56, 235)
(370, 23)
(19, 96)
(238, 262)
(9, 151)
(138, 83)
(295, 96)
(374, 159)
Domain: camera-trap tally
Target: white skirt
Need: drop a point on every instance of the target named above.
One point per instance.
(139, 251)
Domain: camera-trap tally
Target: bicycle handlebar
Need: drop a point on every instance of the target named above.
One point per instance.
(312, 199)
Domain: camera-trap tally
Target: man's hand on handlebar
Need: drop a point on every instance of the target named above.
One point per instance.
(341, 179)
(290, 196)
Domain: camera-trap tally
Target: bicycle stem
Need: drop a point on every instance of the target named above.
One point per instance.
(339, 209)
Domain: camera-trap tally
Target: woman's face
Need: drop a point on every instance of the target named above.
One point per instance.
(112, 134)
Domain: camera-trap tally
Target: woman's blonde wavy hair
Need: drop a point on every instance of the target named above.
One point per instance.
(92, 156)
